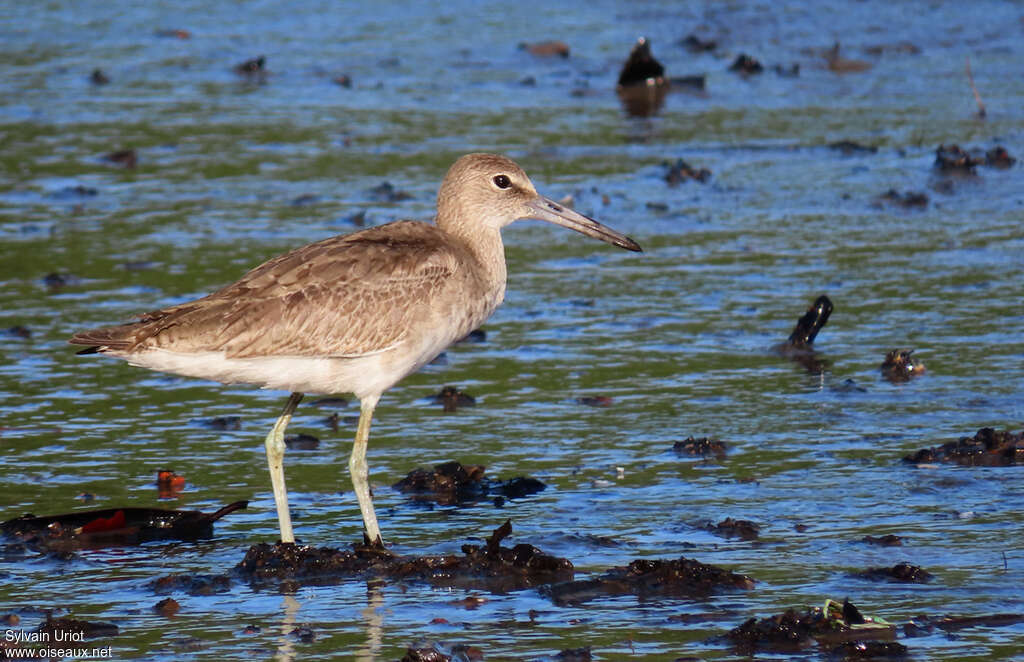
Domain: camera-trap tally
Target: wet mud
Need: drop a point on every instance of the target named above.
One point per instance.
(901, 572)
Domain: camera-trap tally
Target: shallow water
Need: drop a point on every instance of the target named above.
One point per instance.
(232, 172)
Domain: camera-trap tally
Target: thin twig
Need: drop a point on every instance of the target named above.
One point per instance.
(977, 97)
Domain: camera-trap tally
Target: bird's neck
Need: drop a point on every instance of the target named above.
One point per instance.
(485, 245)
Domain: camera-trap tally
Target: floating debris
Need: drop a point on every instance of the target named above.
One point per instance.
(551, 48)
(701, 447)
(97, 77)
(901, 572)
(681, 171)
(900, 366)
(452, 483)
(595, 401)
(695, 44)
(169, 484)
(114, 526)
(173, 33)
(489, 567)
(849, 147)
(987, 448)
(646, 577)
(908, 200)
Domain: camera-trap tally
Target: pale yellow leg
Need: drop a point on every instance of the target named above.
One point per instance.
(275, 459)
(359, 471)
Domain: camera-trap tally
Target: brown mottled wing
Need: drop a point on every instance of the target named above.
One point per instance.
(344, 296)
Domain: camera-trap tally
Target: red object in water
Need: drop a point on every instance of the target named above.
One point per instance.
(112, 523)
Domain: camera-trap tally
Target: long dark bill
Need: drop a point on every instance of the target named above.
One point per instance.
(545, 209)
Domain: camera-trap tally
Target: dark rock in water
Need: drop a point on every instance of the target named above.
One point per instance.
(641, 68)
(901, 572)
(889, 540)
(127, 158)
(735, 528)
(987, 448)
(452, 398)
(220, 422)
(452, 483)
(746, 65)
(301, 442)
(702, 447)
(681, 171)
(114, 526)
(574, 655)
(17, 331)
(695, 44)
(191, 583)
(849, 147)
(488, 567)
(908, 200)
(386, 192)
(951, 159)
(68, 629)
(900, 366)
(797, 628)
(55, 281)
(646, 577)
(998, 157)
(552, 48)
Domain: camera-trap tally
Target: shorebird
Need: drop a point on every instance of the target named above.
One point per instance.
(352, 313)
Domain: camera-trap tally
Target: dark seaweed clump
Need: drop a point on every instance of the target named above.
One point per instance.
(987, 448)
(646, 577)
(454, 483)
(489, 566)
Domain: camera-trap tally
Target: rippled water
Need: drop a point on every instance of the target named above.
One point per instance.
(231, 172)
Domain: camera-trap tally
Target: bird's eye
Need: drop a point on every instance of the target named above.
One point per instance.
(502, 181)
